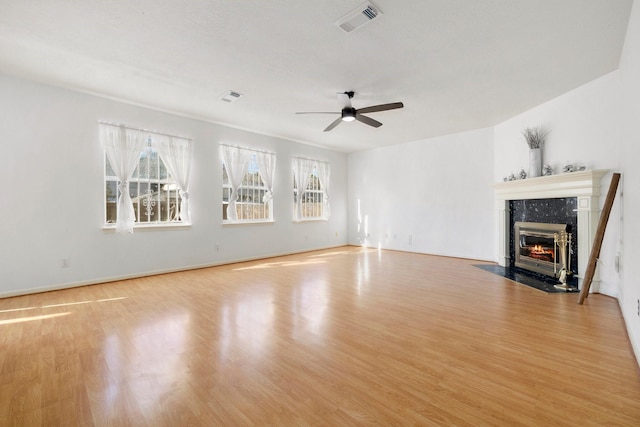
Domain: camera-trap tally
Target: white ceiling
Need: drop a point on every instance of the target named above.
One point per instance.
(456, 64)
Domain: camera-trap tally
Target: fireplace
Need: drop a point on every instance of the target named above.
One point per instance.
(535, 247)
(583, 185)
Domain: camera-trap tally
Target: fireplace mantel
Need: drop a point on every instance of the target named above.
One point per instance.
(571, 184)
(584, 185)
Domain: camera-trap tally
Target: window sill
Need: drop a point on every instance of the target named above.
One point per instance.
(299, 221)
(108, 228)
(265, 221)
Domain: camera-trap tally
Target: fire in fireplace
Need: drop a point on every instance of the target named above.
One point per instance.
(536, 249)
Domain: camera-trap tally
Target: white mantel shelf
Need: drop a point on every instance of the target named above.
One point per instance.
(584, 185)
(570, 184)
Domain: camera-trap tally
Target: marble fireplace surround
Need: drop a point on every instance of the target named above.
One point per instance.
(584, 185)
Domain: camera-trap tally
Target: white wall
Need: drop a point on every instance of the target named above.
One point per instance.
(629, 293)
(584, 126)
(52, 203)
(432, 196)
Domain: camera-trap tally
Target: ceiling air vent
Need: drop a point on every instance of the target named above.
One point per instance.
(230, 96)
(358, 17)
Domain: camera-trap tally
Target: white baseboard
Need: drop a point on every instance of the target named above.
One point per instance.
(608, 290)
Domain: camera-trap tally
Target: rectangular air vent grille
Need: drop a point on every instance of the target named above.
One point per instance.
(358, 17)
(230, 96)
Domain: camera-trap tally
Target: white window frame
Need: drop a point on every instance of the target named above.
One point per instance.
(314, 191)
(149, 206)
(254, 195)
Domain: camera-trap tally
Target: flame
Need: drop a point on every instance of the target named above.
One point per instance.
(541, 252)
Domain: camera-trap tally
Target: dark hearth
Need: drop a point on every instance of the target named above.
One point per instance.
(531, 279)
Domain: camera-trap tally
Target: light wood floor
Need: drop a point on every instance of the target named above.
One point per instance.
(340, 337)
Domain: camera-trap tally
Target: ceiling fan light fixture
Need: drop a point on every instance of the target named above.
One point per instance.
(348, 114)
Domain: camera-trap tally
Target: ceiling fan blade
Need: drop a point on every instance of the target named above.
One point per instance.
(368, 120)
(333, 124)
(381, 107)
(344, 100)
(319, 112)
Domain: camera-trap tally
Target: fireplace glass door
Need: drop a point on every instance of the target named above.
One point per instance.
(535, 248)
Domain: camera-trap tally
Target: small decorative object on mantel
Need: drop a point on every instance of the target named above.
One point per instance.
(547, 170)
(573, 167)
(512, 177)
(567, 167)
(522, 174)
(535, 138)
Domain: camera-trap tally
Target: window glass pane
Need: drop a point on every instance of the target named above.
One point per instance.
(133, 190)
(153, 165)
(171, 206)
(141, 202)
(111, 194)
(142, 171)
(163, 169)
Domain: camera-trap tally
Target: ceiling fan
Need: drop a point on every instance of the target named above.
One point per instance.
(349, 114)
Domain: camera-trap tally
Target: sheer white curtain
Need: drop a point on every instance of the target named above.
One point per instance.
(236, 162)
(324, 175)
(267, 168)
(302, 169)
(123, 147)
(176, 154)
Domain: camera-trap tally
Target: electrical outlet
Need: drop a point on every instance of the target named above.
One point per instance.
(65, 262)
(217, 247)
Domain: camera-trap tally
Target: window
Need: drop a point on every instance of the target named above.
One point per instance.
(313, 202)
(149, 182)
(247, 185)
(152, 189)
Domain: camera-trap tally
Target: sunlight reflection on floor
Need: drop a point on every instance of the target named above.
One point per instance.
(31, 318)
(279, 264)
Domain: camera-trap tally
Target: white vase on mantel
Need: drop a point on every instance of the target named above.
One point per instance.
(535, 162)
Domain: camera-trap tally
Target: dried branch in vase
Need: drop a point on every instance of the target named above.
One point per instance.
(534, 136)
